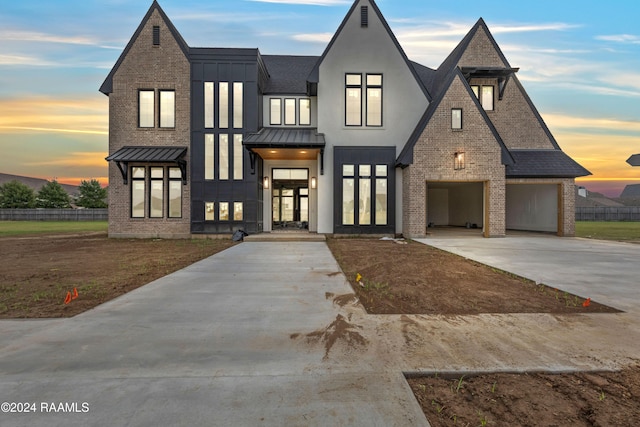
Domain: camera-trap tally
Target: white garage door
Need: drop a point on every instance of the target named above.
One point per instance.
(532, 207)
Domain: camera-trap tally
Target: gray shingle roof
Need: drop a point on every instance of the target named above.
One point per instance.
(285, 138)
(288, 74)
(631, 191)
(634, 160)
(544, 164)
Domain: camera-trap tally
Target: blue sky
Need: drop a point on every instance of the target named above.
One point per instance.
(579, 62)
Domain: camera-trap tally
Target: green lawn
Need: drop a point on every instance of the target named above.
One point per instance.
(608, 230)
(20, 228)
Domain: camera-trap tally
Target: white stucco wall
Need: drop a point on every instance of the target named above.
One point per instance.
(364, 50)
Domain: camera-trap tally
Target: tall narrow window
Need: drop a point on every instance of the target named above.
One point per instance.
(167, 109)
(364, 200)
(476, 90)
(348, 195)
(137, 192)
(487, 97)
(175, 193)
(305, 112)
(237, 211)
(275, 111)
(374, 100)
(156, 199)
(353, 103)
(209, 211)
(381, 195)
(456, 118)
(147, 108)
(290, 112)
(223, 92)
(224, 211)
(223, 156)
(238, 99)
(238, 153)
(209, 106)
(209, 162)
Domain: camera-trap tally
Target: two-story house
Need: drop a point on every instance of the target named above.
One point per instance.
(360, 140)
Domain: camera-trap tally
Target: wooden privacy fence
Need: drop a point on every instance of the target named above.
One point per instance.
(53, 214)
(626, 213)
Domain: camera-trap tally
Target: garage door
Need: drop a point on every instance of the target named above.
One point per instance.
(532, 207)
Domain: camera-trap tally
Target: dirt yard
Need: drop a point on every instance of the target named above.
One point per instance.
(37, 273)
(416, 279)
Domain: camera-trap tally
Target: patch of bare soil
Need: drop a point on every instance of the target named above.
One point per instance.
(340, 330)
(37, 273)
(418, 279)
(581, 399)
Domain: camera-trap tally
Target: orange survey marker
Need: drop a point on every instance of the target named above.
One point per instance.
(67, 300)
(75, 293)
(587, 302)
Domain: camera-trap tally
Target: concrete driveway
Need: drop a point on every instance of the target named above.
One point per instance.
(261, 335)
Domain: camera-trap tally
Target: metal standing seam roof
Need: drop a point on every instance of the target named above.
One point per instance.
(285, 138)
(549, 163)
(148, 154)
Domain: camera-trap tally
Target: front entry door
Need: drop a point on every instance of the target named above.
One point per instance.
(290, 205)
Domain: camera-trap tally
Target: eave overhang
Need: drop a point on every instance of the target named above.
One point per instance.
(126, 155)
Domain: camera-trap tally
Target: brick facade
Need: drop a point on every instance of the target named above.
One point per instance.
(148, 67)
(433, 157)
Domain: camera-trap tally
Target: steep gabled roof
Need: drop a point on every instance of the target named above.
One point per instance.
(406, 156)
(314, 75)
(288, 74)
(107, 86)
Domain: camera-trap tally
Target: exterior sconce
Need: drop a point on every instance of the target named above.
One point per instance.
(458, 161)
(265, 182)
(314, 182)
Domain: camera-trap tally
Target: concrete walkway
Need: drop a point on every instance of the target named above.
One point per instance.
(265, 334)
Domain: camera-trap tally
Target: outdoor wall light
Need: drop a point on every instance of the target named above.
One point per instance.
(314, 182)
(265, 182)
(458, 160)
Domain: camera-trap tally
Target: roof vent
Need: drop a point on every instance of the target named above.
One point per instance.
(156, 35)
(364, 16)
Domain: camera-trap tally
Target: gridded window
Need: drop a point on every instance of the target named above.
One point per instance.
(365, 195)
(138, 175)
(238, 90)
(456, 118)
(304, 115)
(167, 108)
(353, 102)
(175, 193)
(374, 99)
(209, 211)
(223, 91)
(238, 153)
(290, 112)
(275, 111)
(223, 156)
(146, 109)
(237, 211)
(156, 196)
(209, 163)
(209, 105)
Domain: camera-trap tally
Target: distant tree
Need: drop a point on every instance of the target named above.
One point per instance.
(92, 195)
(16, 195)
(53, 196)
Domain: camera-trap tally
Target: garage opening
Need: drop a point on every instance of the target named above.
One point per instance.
(533, 207)
(456, 204)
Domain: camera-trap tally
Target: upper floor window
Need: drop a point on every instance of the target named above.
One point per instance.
(146, 108)
(290, 111)
(353, 103)
(304, 117)
(223, 91)
(275, 111)
(238, 90)
(484, 95)
(209, 105)
(456, 118)
(374, 99)
(167, 109)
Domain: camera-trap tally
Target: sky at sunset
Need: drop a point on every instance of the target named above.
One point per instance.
(579, 61)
